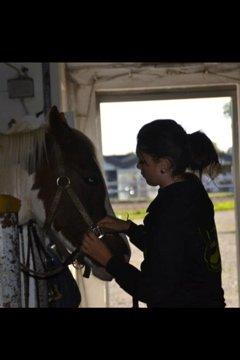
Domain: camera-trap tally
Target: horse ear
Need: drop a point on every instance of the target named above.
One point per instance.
(55, 117)
(58, 125)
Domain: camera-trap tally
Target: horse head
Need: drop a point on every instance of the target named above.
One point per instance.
(71, 151)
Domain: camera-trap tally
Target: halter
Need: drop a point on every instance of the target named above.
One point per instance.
(64, 186)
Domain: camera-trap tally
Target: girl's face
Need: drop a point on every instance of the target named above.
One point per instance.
(150, 169)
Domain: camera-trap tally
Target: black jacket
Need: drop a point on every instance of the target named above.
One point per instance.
(182, 264)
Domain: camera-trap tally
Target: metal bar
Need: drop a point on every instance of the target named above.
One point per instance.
(46, 87)
(236, 169)
(10, 275)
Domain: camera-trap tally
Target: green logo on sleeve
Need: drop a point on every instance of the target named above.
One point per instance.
(211, 254)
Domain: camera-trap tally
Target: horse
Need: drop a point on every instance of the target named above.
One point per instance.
(54, 171)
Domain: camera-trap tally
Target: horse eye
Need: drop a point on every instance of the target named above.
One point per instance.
(91, 180)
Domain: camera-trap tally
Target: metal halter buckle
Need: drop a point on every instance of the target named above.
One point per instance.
(63, 181)
(96, 230)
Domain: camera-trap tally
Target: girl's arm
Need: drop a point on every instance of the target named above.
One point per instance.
(136, 233)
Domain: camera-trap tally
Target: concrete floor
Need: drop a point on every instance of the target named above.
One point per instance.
(225, 222)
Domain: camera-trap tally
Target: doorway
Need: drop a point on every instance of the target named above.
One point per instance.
(223, 191)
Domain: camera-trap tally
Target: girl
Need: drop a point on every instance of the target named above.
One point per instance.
(182, 263)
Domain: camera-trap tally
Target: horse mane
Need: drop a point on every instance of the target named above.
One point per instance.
(25, 149)
(20, 152)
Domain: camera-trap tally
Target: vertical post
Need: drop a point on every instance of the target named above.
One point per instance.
(236, 169)
(10, 273)
(107, 295)
(46, 87)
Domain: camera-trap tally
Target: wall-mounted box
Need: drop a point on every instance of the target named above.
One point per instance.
(20, 88)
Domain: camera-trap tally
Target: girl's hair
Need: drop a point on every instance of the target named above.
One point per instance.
(168, 139)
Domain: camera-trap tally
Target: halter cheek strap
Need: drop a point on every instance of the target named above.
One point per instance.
(64, 186)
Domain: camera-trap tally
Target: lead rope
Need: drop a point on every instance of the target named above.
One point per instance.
(34, 264)
(25, 276)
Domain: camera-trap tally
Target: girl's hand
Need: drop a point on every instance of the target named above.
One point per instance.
(95, 248)
(110, 224)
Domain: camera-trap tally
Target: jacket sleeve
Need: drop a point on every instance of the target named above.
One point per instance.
(163, 274)
(137, 235)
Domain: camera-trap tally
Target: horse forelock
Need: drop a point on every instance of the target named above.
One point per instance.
(81, 140)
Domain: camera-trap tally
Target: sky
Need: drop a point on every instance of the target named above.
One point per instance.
(121, 121)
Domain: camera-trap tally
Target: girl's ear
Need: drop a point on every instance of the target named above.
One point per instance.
(57, 126)
(165, 165)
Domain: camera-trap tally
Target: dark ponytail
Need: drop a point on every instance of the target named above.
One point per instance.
(168, 139)
(203, 155)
